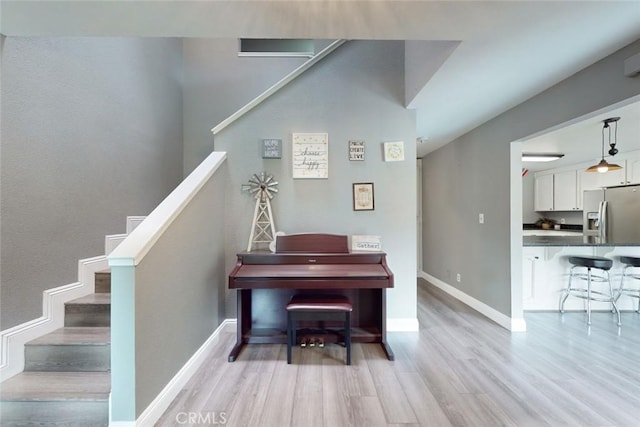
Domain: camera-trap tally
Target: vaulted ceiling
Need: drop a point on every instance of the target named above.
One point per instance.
(467, 61)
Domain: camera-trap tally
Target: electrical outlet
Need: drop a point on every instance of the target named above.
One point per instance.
(480, 220)
(562, 221)
(458, 278)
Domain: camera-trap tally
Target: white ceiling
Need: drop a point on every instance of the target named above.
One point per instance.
(582, 141)
(504, 52)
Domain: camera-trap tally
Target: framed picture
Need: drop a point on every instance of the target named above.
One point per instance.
(356, 151)
(394, 151)
(363, 196)
(310, 155)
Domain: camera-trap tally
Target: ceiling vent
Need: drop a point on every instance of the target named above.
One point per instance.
(277, 47)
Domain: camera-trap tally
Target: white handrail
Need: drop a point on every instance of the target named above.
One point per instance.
(277, 86)
(133, 249)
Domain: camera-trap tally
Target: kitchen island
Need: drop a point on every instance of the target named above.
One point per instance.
(545, 270)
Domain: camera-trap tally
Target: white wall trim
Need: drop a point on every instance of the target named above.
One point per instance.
(12, 340)
(277, 86)
(112, 241)
(159, 405)
(403, 325)
(133, 222)
(512, 324)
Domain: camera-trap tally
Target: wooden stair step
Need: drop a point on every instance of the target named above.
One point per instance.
(90, 310)
(103, 282)
(56, 398)
(70, 349)
(55, 386)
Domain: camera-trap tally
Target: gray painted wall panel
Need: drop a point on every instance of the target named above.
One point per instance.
(180, 290)
(471, 175)
(91, 133)
(355, 93)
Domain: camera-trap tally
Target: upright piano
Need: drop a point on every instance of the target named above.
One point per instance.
(313, 264)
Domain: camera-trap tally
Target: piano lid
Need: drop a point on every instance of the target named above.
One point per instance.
(312, 243)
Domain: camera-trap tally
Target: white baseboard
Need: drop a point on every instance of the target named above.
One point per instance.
(12, 340)
(512, 324)
(159, 405)
(403, 325)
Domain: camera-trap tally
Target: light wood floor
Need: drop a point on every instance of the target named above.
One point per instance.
(460, 370)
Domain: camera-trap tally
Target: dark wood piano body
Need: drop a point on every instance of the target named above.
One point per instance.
(315, 264)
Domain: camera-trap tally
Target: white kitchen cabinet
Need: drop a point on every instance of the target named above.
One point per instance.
(543, 193)
(532, 275)
(633, 171)
(565, 191)
(613, 178)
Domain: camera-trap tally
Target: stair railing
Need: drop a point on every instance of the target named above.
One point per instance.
(168, 289)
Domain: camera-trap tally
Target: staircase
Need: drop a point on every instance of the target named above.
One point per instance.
(66, 379)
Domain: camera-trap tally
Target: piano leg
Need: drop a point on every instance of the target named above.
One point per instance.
(383, 326)
(233, 354)
(243, 297)
(387, 350)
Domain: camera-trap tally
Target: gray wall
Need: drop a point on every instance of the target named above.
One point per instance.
(91, 133)
(354, 93)
(217, 83)
(471, 175)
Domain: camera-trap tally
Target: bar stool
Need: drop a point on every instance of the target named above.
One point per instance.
(322, 307)
(590, 262)
(629, 262)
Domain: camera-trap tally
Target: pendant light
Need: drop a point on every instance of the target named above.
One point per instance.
(603, 166)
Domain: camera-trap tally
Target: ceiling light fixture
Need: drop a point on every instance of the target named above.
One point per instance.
(603, 166)
(541, 157)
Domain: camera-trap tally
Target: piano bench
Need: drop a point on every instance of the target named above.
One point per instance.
(321, 307)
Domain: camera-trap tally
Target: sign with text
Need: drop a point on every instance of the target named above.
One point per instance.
(356, 150)
(271, 148)
(366, 243)
(310, 155)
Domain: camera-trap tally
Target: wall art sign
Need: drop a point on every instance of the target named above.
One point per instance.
(310, 155)
(394, 151)
(356, 150)
(271, 148)
(366, 243)
(363, 196)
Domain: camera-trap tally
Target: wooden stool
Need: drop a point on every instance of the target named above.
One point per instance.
(322, 307)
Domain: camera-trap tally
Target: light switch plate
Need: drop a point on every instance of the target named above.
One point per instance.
(481, 218)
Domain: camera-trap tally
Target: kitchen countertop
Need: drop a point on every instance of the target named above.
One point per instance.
(579, 240)
(568, 235)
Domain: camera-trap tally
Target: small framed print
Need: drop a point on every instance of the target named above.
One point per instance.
(363, 196)
(394, 151)
(271, 148)
(356, 151)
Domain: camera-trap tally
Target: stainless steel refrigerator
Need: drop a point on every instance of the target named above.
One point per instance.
(612, 215)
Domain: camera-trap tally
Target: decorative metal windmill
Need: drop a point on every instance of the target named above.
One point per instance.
(263, 187)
